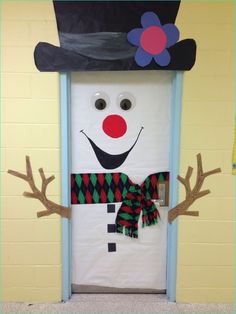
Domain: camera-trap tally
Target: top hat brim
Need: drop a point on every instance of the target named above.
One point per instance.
(49, 58)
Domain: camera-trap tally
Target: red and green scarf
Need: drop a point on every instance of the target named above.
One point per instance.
(94, 188)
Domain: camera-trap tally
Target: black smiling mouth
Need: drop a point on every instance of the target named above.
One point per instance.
(109, 161)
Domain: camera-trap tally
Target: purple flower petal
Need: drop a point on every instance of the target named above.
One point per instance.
(150, 19)
(163, 58)
(134, 36)
(142, 58)
(172, 34)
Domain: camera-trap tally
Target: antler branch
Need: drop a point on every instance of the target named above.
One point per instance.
(41, 194)
(186, 181)
(191, 194)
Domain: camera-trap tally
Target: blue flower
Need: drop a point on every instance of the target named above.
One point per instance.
(152, 40)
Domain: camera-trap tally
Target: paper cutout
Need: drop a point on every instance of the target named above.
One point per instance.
(152, 40)
(111, 208)
(114, 126)
(93, 37)
(52, 208)
(95, 188)
(111, 228)
(107, 160)
(192, 194)
(111, 247)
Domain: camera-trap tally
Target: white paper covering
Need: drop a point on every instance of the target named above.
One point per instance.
(137, 263)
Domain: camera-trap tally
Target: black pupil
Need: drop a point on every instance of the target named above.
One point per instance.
(125, 104)
(100, 104)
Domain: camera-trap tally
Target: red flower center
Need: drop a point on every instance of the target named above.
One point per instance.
(153, 40)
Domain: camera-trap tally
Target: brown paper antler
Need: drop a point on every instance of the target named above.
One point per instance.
(41, 195)
(191, 194)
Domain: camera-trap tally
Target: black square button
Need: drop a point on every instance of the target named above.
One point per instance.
(111, 228)
(111, 208)
(111, 247)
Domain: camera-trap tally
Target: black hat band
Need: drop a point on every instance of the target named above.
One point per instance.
(100, 46)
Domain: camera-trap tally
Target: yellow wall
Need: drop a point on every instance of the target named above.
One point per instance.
(31, 263)
(205, 244)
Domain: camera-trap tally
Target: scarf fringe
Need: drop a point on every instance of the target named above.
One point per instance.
(150, 218)
(130, 232)
(152, 222)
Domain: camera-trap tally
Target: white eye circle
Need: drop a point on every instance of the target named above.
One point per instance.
(100, 100)
(126, 101)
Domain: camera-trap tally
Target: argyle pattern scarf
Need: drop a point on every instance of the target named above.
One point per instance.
(94, 188)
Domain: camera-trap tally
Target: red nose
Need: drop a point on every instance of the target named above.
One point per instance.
(114, 126)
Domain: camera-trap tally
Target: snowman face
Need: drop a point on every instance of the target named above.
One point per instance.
(120, 122)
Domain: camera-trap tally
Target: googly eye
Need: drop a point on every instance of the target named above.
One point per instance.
(125, 104)
(100, 100)
(100, 104)
(126, 101)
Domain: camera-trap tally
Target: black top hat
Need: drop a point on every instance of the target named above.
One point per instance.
(116, 35)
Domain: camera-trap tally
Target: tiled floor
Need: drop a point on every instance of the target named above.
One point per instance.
(116, 304)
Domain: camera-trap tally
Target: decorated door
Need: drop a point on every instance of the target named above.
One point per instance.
(120, 56)
(120, 135)
(120, 142)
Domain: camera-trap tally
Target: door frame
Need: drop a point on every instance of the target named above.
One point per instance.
(172, 231)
